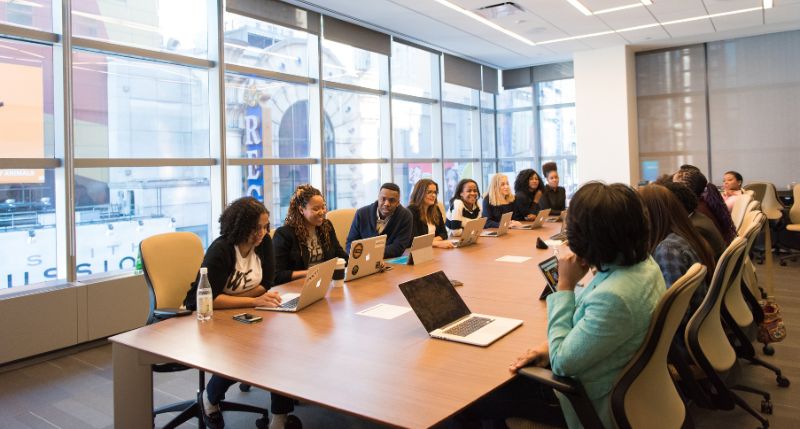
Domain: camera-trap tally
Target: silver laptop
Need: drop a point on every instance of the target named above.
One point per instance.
(502, 229)
(537, 222)
(445, 315)
(559, 217)
(561, 235)
(315, 286)
(470, 233)
(366, 257)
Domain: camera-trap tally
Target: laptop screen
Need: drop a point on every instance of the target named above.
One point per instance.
(434, 300)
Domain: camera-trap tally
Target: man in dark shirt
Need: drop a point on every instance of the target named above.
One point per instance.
(384, 216)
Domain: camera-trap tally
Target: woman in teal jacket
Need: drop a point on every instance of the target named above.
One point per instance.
(593, 334)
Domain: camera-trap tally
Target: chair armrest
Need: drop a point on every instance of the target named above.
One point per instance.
(545, 376)
(168, 313)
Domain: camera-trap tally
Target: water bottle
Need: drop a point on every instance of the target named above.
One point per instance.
(205, 299)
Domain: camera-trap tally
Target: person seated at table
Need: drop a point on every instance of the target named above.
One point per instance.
(593, 335)
(426, 217)
(710, 202)
(463, 206)
(241, 270)
(498, 201)
(306, 237)
(528, 190)
(701, 223)
(554, 197)
(674, 242)
(731, 188)
(384, 216)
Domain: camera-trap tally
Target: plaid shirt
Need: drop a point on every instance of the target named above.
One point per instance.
(674, 255)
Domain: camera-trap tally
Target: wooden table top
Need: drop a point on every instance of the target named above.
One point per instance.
(388, 371)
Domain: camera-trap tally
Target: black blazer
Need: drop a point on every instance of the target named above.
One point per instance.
(524, 205)
(291, 255)
(555, 200)
(421, 228)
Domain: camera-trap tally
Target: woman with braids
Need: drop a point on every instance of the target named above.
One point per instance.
(710, 202)
(306, 238)
(241, 270)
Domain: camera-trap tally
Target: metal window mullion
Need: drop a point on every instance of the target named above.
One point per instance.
(321, 89)
(351, 88)
(219, 92)
(554, 106)
(441, 116)
(391, 118)
(28, 34)
(268, 74)
(272, 161)
(537, 131)
(47, 163)
(413, 98)
(351, 161)
(139, 53)
(142, 162)
(66, 240)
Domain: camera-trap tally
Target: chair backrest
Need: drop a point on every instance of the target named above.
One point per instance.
(766, 193)
(758, 189)
(645, 395)
(705, 337)
(341, 220)
(734, 301)
(170, 262)
(739, 209)
(794, 212)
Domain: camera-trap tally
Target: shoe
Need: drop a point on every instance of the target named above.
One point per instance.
(292, 422)
(214, 420)
(262, 423)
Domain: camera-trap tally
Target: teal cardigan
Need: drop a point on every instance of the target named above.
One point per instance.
(593, 335)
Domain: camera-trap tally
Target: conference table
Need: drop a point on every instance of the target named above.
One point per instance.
(385, 370)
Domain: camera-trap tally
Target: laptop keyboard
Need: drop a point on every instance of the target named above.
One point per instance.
(469, 326)
(292, 303)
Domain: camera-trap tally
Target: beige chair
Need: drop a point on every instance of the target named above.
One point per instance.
(341, 220)
(794, 226)
(739, 209)
(644, 395)
(170, 263)
(767, 195)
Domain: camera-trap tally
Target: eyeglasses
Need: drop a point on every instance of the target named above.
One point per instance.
(432, 192)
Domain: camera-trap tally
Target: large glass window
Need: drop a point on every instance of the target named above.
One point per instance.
(164, 25)
(36, 14)
(354, 185)
(355, 125)
(126, 108)
(253, 43)
(412, 130)
(556, 106)
(414, 71)
(349, 65)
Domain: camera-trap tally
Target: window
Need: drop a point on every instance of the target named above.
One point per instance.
(413, 134)
(556, 106)
(354, 66)
(126, 108)
(36, 14)
(354, 185)
(356, 126)
(179, 27)
(414, 72)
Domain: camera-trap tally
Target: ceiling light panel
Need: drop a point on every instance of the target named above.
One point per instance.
(563, 16)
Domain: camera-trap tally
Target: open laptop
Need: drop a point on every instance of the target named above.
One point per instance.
(445, 315)
(315, 286)
(537, 222)
(421, 251)
(366, 257)
(561, 235)
(505, 221)
(562, 215)
(470, 232)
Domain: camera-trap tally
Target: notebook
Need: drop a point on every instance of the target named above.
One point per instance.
(470, 233)
(421, 251)
(366, 257)
(315, 286)
(445, 315)
(505, 221)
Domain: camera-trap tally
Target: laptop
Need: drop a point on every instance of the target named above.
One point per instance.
(559, 217)
(445, 315)
(421, 251)
(315, 286)
(505, 221)
(470, 233)
(366, 257)
(537, 222)
(561, 235)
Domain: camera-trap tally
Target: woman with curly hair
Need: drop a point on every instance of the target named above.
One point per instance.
(306, 238)
(528, 189)
(426, 217)
(241, 270)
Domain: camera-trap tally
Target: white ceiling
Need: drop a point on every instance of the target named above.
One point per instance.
(543, 21)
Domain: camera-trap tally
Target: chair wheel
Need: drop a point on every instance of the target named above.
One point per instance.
(783, 381)
(768, 350)
(244, 387)
(766, 407)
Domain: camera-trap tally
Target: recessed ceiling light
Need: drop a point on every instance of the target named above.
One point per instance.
(615, 9)
(484, 21)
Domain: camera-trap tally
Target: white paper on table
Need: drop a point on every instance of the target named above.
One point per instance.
(385, 311)
(553, 243)
(515, 259)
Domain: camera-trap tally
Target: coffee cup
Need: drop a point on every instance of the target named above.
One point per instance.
(338, 273)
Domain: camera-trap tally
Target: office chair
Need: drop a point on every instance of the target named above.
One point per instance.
(792, 230)
(739, 209)
(738, 310)
(708, 345)
(644, 394)
(170, 262)
(342, 219)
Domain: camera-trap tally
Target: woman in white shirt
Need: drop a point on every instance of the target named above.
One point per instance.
(463, 206)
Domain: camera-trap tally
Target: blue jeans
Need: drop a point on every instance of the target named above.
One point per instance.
(217, 386)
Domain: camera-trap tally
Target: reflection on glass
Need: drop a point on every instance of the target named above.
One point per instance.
(459, 94)
(26, 100)
(557, 131)
(460, 133)
(346, 64)
(488, 144)
(164, 25)
(515, 98)
(556, 92)
(353, 125)
(27, 227)
(515, 134)
(406, 175)
(272, 184)
(455, 171)
(253, 43)
(126, 108)
(354, 185)
(36, 14)
(411, 123)
(414, 71)
(115, 208)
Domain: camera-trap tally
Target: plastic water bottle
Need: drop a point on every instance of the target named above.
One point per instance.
(205, 299)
